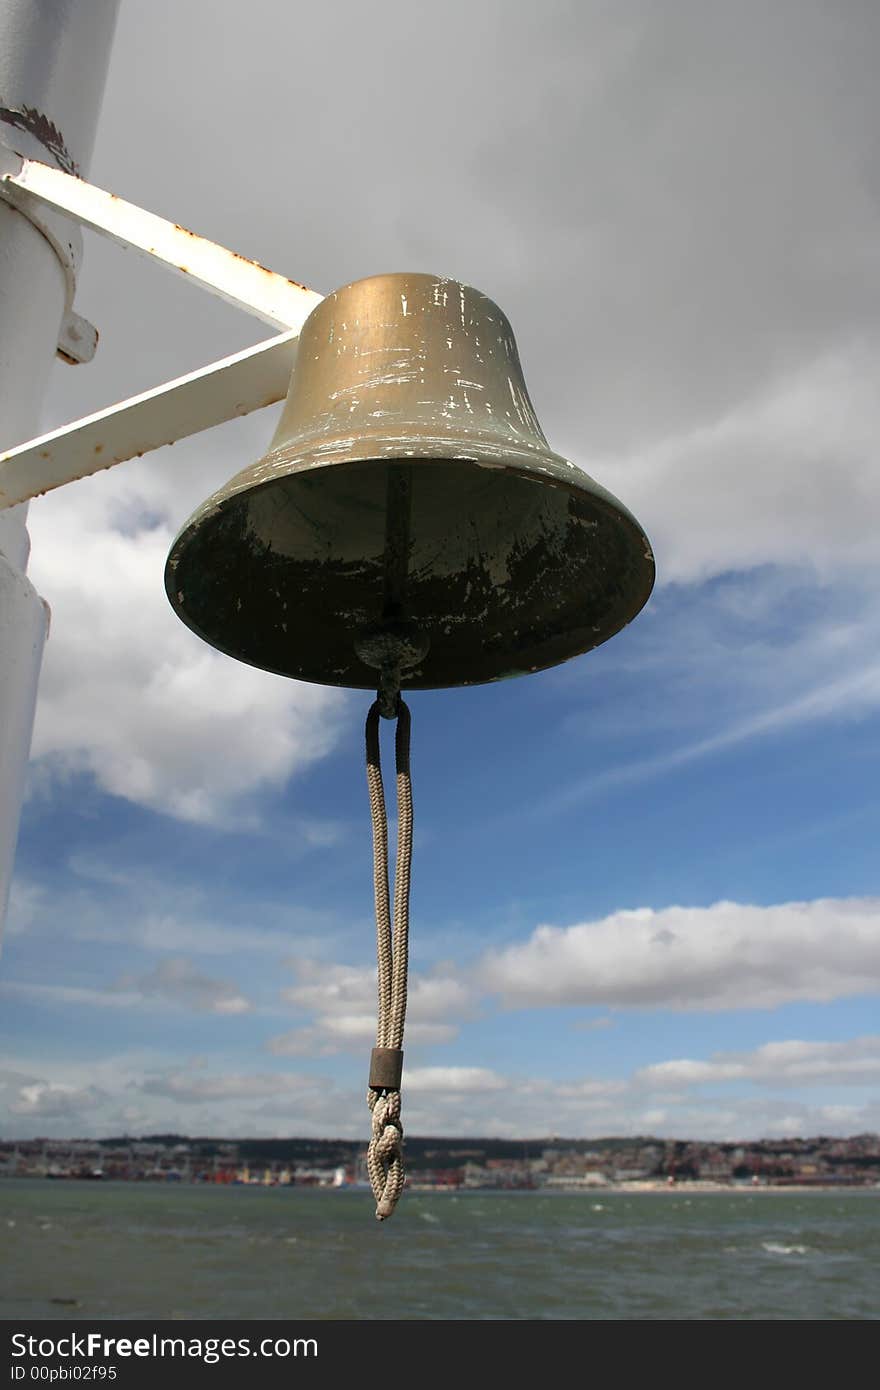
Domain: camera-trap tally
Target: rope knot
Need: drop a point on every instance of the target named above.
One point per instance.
(385, 1154)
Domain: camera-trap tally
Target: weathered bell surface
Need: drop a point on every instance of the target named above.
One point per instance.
(409, 486)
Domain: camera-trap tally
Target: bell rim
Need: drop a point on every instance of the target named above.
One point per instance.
(556, 471)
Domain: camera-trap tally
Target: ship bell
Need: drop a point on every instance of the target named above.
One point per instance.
(409, 490)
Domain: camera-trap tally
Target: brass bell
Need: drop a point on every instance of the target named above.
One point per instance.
(409, 489)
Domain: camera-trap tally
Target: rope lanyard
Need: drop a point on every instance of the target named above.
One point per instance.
(385, 1153)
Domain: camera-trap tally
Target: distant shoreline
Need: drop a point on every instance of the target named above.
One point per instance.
(641, 1188)
(696, 1185)
(638, 1187)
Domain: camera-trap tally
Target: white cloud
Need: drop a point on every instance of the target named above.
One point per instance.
(79, 996)
(784, 478)
(459, 1080)
(129, 695)
(521, 1107)
(329, 988)
(785, 1088)
(39, 1100)
(166, 932)
(192, 1087)
(148, 1093)
(26, 904)
(326, 988)
(757, 656)
(191, 1097)
(848, 696)
(135, 907)
(174, 983)
(323, 1041)
(177, 981)
(343, 999)
(793, 1063)
(353, 1032)
(590, 1090)
(727, 956)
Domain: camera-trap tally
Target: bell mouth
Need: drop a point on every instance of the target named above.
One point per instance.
(513, 562)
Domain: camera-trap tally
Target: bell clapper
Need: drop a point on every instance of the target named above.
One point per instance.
(391, 648)
(398, 519)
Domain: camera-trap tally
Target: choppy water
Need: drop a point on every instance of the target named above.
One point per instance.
(88, 1251)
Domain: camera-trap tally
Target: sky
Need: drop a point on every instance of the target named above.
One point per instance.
(646, 896)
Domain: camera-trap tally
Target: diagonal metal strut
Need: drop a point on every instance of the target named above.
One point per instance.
(220, 391)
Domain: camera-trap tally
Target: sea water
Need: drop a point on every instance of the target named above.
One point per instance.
(76, 1250)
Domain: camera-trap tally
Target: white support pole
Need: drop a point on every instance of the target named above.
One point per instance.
(53, 61)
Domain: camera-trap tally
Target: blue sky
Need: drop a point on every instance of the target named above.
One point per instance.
(645, 892)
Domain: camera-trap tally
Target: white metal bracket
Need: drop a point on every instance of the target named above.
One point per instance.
(220, 391)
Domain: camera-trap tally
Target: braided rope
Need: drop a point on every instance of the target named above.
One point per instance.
(385, 1152)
